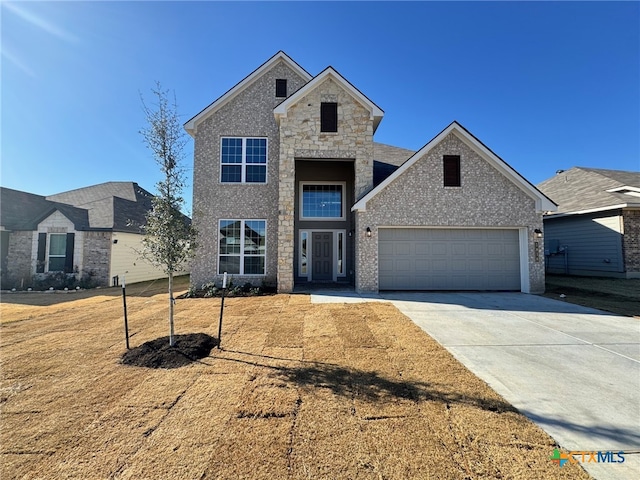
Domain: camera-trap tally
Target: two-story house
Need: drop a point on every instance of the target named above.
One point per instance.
(290, 188)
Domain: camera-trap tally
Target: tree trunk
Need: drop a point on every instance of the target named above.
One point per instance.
(172, 341)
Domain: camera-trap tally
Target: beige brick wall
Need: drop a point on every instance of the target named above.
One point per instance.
(300, 137)
(631, 242)
(249, 114)
(418, 198)
(20, 266)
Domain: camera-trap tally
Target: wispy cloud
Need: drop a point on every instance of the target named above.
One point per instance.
(9, 56)
(40, 22)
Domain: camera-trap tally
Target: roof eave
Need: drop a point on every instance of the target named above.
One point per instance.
(542, 202)
(593, 210)
(192, 124)
(376, 113)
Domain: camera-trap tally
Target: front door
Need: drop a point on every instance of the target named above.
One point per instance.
(322, 259)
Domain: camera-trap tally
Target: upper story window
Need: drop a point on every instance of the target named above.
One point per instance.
(281, 87)
(322, 201)
(451, 169)
(243, 160)
(328, 117)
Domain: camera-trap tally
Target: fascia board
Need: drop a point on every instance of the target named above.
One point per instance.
(361, 205)
(191, 125)
(376, 112)
(543, 204)
(593, 210)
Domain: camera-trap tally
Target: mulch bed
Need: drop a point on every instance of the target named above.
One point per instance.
(158, 353)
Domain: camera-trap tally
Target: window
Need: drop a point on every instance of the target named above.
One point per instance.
(281, 87)
(451, 167)
(57, 251)
(242, 247)
(304, 243)
(328, 117)
(244, 160)
(340, 253)
(322, 201)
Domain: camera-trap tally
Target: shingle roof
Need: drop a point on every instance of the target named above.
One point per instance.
(387, 159)
(23, 210)
(579, 188)
(117, 206)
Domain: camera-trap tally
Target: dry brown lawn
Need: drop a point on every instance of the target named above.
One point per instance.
(297, 391)
(616, 295)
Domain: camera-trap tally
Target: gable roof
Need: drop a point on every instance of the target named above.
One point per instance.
(24, 211)
(376, 112)
(121, 206)
(543, 203)
(191, 125)
(115, 206)
(386, 160)
(582, 190)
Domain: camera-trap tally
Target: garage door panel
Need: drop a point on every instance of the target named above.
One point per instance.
(449, 259)
(438, 248)
(421, 248)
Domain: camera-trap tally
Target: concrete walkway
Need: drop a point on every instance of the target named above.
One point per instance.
(575, 371)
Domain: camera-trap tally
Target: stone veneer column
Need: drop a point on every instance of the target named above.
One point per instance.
(286, 212)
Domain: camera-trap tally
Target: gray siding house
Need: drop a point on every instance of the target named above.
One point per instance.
(596, 230)
(291, 189)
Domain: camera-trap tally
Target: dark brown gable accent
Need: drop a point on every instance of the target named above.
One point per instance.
(68, 261)
(42, 252)
(328, 117)
(451, 168)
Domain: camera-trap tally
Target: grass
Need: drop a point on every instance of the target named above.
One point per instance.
(297, 391)
(615, 295)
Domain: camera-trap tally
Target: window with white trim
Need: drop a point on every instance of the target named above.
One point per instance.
(242, 247)
(322, 201)
(243, 160)
(57, 252)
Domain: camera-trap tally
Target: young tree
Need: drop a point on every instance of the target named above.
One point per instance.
(169, 239)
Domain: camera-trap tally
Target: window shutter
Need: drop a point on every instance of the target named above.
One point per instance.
(281, 87)
(451, 167)
(328, 117)
(68, 261)
(42, 252)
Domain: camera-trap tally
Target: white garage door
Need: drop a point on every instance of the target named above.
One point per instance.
(448, 259)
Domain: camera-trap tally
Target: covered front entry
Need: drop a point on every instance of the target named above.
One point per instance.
(322, 255)
(448, 259)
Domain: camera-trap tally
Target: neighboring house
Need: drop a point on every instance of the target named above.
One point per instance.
(596, 230)
(290, 188)
(90, 232)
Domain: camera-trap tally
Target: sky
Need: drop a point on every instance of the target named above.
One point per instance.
(545, 85)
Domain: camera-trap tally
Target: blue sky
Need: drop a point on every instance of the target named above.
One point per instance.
(545, 85)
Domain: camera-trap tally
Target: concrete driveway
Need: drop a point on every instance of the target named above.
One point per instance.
(575, 371)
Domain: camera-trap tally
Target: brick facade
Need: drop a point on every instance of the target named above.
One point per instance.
(249, 114)
(418, 198)
(19, 265)
(488, 198)
(631, 242)
(96, 257)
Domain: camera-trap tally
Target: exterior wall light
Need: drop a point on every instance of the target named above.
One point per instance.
(538, 233)
(369, 232)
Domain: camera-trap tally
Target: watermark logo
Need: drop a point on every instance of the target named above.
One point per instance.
(586, 457)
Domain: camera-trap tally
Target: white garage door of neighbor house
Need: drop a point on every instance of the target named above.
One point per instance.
(448, 259)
